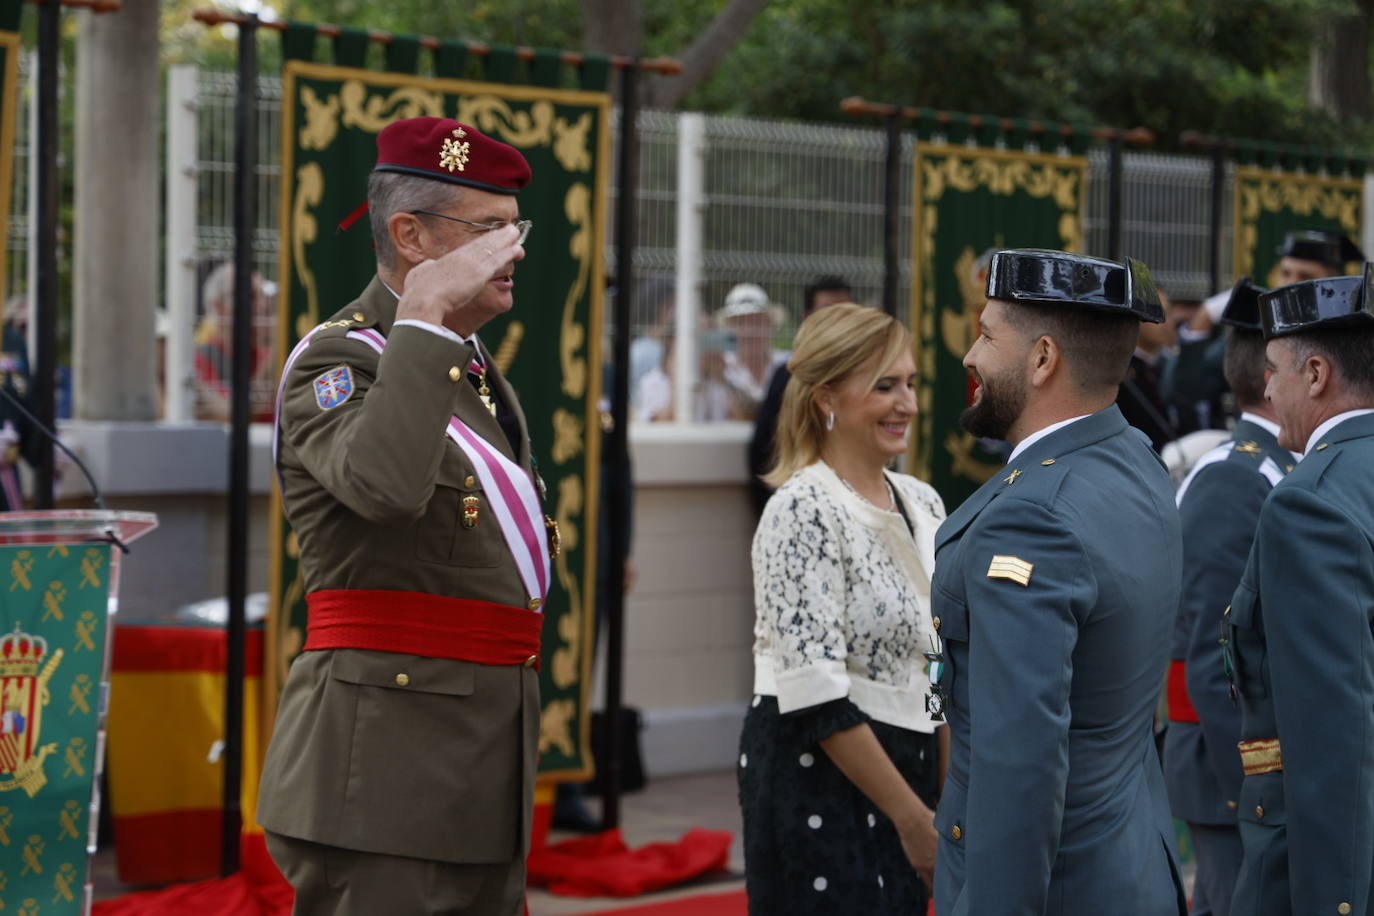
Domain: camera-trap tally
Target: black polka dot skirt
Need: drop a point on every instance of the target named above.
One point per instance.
(813, 843)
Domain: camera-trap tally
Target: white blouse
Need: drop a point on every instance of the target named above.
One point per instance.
(842, 597)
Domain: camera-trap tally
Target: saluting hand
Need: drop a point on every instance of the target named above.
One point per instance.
(446, 290)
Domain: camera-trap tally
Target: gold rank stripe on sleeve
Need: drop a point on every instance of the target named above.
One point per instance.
(1013, 568)
(1261, 756)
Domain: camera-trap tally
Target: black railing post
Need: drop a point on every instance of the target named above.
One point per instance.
(618, 494)
(892, 207)
(245, 222)
(44, 314)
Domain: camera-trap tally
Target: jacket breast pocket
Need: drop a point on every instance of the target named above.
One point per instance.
(1244, 649)
(459, 527)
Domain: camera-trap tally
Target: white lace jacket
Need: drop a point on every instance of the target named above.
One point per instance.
(842, 597)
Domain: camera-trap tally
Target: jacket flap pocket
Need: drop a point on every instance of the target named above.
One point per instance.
(403, 672)
(457, 474)
(949, 816)
(950, 616)
(1243, 603)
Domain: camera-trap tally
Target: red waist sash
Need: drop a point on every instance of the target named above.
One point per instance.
(416, 623)
(1180, 704)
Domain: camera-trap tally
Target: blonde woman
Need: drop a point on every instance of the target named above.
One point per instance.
(838, 767)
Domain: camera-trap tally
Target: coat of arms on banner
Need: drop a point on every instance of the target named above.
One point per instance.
(25, 669)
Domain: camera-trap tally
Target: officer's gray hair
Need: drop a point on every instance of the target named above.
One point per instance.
(389, 193)
(1349, 351)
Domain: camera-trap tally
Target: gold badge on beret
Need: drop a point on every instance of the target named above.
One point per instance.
(1013, 568)
(454, 154)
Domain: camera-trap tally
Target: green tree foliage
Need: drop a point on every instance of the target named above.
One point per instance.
(1236, 68)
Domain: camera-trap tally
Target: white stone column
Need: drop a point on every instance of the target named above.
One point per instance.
(116, 214)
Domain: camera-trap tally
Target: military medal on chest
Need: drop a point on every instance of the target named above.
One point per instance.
(483, 390)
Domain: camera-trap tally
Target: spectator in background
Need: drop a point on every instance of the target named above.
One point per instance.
(649, 351)
(214, 347)
(18, 439)
(826, 290)
(743, 359)
(1138, 395)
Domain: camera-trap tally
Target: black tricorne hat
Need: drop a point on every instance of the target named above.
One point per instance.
(1242, 309)
(1345, 302)
(1036, 276)
(1333, 249)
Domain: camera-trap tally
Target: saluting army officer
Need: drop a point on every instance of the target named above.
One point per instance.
(1219, 505)
(1054, 589)
(1299, 626)
(400, 774)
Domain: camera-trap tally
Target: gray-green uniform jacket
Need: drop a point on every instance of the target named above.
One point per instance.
(1301, 647)
(381, 752)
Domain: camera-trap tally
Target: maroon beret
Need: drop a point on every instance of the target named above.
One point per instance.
(443, 149)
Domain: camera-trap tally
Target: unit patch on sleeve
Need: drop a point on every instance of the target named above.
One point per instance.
(333, 387)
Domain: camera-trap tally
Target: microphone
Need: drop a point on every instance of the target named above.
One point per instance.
(53, 438)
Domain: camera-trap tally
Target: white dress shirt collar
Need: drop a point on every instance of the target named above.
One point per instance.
(1042, 433)
(1331, 423)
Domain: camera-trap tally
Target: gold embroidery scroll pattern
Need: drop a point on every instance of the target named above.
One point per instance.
(570, 144)
(504, 357)
(564, 668)
(304, 231)
(555, 727)
(321, 120)
(373, 112)
(568, 430)
(1303, 195)
(496, 118)
(577, 205)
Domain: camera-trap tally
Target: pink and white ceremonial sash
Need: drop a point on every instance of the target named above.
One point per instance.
(509, 490)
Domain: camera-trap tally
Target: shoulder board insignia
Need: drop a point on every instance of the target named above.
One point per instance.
(334, 387)
(1013, 568)
(1249, 448)
(341, 323)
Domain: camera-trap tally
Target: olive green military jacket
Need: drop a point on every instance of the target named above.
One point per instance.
(375, 751)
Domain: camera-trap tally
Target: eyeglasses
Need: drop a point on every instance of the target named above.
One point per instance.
(521, 225)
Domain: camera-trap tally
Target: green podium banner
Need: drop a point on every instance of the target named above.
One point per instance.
(548, 345)
(969, 200)
(1271, 203)
(53, 627)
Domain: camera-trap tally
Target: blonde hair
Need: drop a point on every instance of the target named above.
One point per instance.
(832, 344)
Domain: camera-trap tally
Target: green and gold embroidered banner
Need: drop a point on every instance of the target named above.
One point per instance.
(53, 627)
(548, 345)
(969, 201)
(1271, 203)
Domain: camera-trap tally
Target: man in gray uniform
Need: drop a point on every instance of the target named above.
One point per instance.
(1055, 586)
(1219, 505)
(1300, 629)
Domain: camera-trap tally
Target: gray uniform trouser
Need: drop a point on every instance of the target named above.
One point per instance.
(330, 881)
(1219, 853)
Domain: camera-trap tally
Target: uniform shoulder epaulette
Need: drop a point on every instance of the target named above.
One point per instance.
(1035, 480)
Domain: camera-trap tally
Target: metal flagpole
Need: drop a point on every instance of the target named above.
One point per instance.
(45, 304)
(891, 212)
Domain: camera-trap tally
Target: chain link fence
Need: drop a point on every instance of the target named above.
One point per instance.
(781, 203)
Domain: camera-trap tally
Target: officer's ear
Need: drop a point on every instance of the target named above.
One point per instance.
(1043, 360)
(1316, 372)
(408, 236)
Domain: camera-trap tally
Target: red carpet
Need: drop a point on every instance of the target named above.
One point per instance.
(728, 904)
(602, 865)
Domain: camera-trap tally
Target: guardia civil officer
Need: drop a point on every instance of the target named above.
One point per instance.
(400, 774)
(1196, 374)
(1219, 504)
(1299, 626)
(1055, 586)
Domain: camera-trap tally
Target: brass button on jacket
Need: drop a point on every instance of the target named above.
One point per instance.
(402, 679)
(955, 832)
(359, 316)
(935, 622)
(1343, 909)
(454, 374)
(1259, 811)
(469, 481)
(535, 604)
(530, 662)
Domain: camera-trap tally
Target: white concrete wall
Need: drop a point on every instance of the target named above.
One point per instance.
(689, 618)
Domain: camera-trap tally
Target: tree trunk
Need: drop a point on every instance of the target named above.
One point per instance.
(612, 27)
(1338, 81)
(701, 59)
